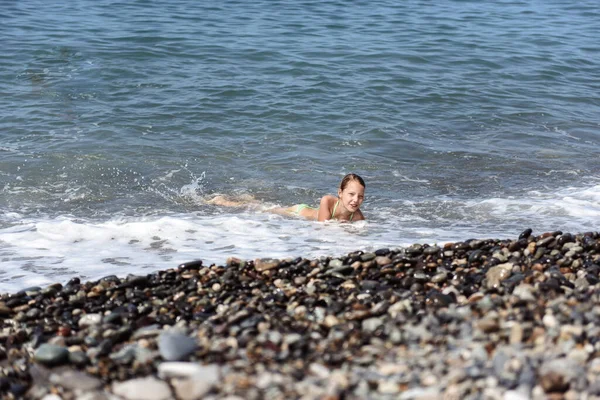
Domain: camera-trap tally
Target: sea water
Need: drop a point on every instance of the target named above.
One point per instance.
(119, 119)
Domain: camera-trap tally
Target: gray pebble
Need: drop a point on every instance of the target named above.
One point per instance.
(175, 346)
(148, 388)
(51, 355)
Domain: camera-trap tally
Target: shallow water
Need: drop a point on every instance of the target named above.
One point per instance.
(117, 120)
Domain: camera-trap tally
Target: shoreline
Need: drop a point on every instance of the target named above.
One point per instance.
(506, 319)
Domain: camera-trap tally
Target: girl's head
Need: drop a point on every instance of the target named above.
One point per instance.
(351, 177)
(352, 192)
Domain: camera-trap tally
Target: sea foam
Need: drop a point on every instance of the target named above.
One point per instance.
(36, 251)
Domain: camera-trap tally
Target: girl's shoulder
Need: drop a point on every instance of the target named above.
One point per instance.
(326, 207)
(328, 200)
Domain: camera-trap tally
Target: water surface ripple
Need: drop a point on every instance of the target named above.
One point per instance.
(464, 118)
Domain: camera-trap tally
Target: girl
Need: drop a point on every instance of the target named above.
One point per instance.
(344, 207)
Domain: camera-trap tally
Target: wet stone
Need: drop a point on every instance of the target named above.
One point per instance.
(382, 252)
(382, 260)
(526, 233)
(368, 257)
(439, 278)
(5, 311)
(126, 355)
(265, 264)
(476, 256)
(497, 274)
(431, 250)
(438, 299)
(89, 320)
(78, 358)
(369, 285)
(414, 250)
(51, 355)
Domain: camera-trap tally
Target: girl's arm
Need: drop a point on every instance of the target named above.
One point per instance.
(358, 216)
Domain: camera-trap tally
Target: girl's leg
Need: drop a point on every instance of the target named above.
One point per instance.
(301, 210)
(225, 202)
(287, 211)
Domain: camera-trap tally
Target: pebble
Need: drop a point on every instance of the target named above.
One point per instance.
(191, 389)
(175, 346)
(89, 320)
(497, 274)
(75, 380)
(209, 373)
(148, 388)
(498, 319)
(51, 355)
(388, 387)
(371, 324)
(265, 264)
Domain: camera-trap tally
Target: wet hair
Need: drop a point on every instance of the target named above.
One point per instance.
(351, 177)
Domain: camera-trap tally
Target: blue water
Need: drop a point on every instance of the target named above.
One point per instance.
(117, 121)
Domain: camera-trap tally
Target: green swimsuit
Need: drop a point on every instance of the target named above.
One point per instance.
(301, 207)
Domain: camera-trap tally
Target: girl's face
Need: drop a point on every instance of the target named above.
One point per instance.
(352, 196)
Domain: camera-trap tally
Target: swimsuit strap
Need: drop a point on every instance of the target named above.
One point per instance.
(335, 206)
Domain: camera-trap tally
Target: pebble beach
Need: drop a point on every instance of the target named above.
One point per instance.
(479, 319)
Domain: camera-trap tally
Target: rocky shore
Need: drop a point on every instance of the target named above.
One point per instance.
(479, 319)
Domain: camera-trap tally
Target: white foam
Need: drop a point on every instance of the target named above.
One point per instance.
(45, 250)
(50, 250)
(575, 203)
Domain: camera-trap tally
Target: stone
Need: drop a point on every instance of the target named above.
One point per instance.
(208, 373)
(382, 260)
(52, 396)
(556, 375)
(90, 320)
(439, 278)
(175, 346)
(368, 257)
(191, 389)
(51, 355)
(265, 264)
(319, 370)
(516, 334)
(418, 393)
(145, 332)
(524, 292)
(5, 311)
(550, 321)
(148, 388)
(497, 274)
(488, 325)
(371, 324)
(515, 395)
(388, 387)
(97, 395)
(75, 380)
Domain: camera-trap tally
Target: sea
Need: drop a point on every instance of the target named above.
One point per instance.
(120, 119)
